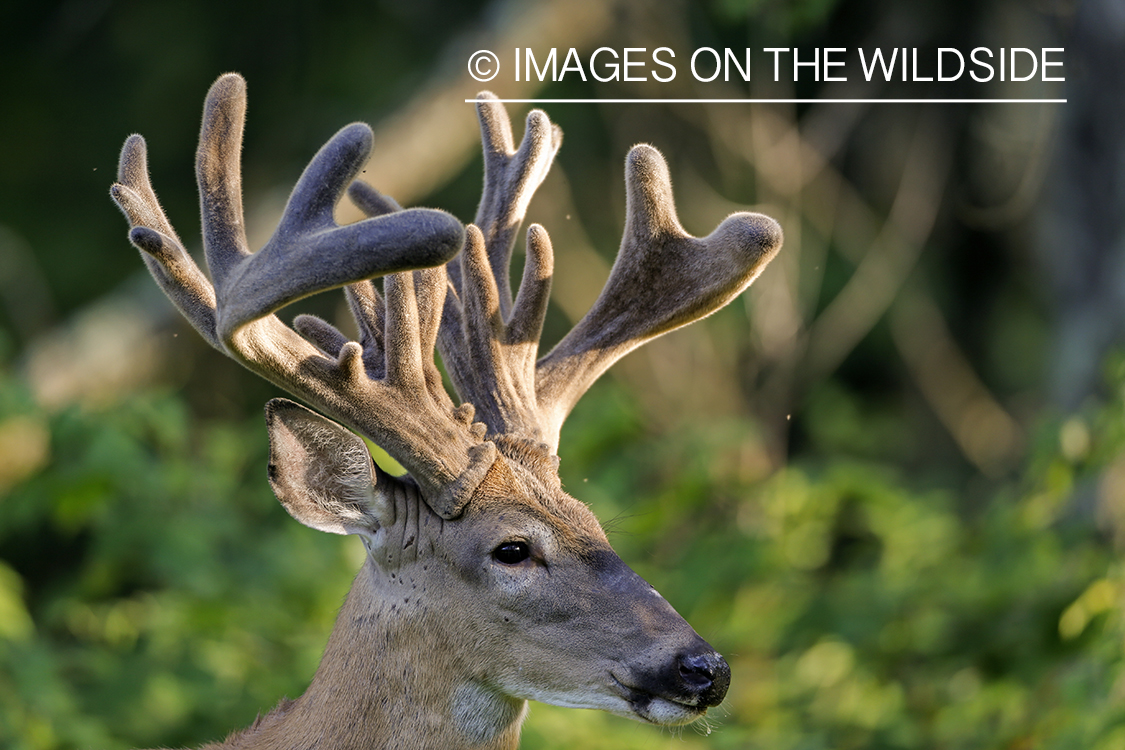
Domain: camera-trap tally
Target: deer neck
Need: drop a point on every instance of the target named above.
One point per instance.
(385, 682)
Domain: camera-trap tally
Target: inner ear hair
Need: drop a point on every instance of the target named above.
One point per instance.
(321, 472)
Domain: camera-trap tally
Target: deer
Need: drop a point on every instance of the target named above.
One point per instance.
(485, 585)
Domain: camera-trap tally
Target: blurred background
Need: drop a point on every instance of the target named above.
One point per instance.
(888, 482)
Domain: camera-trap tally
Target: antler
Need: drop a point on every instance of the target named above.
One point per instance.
(384, 387)
(663, 278)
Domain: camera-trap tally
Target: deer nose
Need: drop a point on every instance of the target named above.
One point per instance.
(705, 674)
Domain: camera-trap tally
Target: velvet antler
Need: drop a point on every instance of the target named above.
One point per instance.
(663, 279)
(387, 385)
(388, 401)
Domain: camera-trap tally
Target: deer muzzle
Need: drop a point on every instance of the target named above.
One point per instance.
(681, 690)
(671, 676)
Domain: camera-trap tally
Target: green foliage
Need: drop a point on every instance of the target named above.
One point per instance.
(152, 592)
(861, 610)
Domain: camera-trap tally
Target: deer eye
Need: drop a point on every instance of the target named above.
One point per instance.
(511, 553)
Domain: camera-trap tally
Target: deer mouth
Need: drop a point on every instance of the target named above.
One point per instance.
(662, 710)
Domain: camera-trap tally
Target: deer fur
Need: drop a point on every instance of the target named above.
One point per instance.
(485, 584)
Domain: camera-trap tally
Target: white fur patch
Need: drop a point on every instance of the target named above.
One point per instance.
(482, 714)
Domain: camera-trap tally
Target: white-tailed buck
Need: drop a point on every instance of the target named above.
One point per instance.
(485, 584)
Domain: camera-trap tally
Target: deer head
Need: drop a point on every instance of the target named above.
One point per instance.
(486, 585)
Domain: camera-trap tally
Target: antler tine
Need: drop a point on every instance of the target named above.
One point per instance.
(370, 314)
(492, 362)
(308, 252)
(488, 342)
(366, 304)
(526, 323)
(430, 288)
(511, 177)
(663, 278)
(218, 172)
(398, 402)
(163, 253)
(413, 313)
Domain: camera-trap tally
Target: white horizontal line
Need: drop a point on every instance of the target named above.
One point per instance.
(774, 101)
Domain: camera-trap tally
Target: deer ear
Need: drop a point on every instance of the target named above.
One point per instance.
(323, 474)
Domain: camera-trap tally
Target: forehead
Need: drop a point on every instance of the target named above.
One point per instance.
(569, 522)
